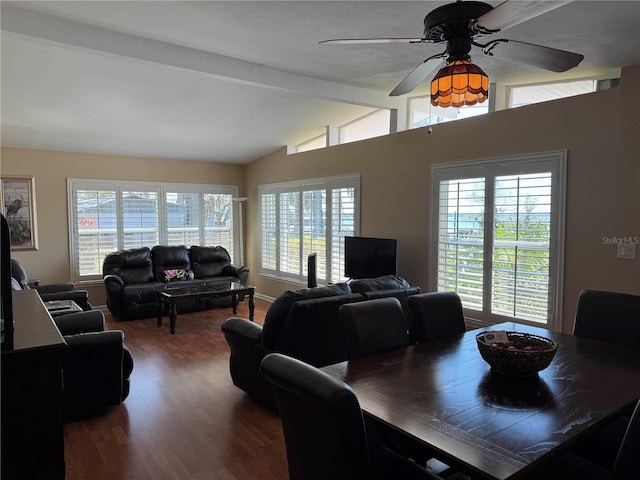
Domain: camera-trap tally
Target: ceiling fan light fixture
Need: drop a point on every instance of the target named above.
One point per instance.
(459, 83)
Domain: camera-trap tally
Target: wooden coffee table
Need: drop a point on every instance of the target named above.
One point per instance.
(169, 297)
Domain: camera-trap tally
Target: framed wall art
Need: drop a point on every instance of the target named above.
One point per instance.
(18, 204)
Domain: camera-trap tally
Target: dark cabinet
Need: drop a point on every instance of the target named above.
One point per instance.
(32, 426)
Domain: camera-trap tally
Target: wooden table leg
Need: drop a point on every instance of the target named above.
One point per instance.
(235, 300)
(173, 311)
(252, 304)
(160, 312)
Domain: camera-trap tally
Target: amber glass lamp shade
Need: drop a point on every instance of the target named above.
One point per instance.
(459, 83)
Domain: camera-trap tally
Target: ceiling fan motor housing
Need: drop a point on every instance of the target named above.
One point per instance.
(457, 19)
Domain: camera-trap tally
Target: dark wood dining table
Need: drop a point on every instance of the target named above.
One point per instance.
(444, 395)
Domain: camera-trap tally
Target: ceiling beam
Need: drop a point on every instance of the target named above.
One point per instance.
(23, 21)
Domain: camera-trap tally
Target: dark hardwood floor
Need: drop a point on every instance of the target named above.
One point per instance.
(184, 418)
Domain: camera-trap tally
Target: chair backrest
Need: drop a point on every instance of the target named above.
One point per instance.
(322, 421)
(435, 315)
(374, 326)
(18, 273)
(608, 316)
(627, 463)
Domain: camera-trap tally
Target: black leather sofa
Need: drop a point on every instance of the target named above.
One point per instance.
(132, 277)
(304, 324)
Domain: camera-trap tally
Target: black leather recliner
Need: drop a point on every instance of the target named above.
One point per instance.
(97, 365)
(49, 292)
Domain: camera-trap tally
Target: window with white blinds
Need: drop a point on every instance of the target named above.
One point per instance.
(300, 218)
(498, 236)
(106, 216)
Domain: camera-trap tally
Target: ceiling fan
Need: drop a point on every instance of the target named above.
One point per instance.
(459, 25)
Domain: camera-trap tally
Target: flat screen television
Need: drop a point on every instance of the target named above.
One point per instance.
(366, 257)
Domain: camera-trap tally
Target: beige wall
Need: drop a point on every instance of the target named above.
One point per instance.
(600, 132)
(50, 263)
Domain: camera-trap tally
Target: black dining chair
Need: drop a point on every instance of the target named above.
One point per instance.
(374, 326)
(615, 318)
(625, 467)
(435, 315)
(324, 428)
(608, 316)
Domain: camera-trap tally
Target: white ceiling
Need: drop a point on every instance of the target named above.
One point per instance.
(233, 81)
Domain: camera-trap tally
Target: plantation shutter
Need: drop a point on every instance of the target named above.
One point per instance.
(314, 228)
(521, 240)
(301, 218)
(182, 218)
(95, 233)
(498, 236)
(268, 231)
(461, 219)
(343, 213)
(290, 232)
(139, 215)
(218, 221)
(106, 216)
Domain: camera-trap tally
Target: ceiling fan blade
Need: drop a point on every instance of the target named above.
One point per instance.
(536, 55)
(373, 40)
(513, 12)
(417, 75)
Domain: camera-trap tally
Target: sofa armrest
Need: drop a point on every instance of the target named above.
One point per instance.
(245, 341)
(113, 282)
(241, 327)
(114, 286)
(240, 272)
(80, 322)
(55, 288)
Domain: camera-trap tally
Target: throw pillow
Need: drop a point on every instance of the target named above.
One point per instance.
(178, 274)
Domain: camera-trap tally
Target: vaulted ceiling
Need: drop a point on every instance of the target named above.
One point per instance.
(233, 81)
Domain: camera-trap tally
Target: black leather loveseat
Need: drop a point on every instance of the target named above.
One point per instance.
(132, 277)
(304, 324)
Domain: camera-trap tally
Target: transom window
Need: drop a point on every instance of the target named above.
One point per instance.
(300, 218)
(498, 236)
(106, 216)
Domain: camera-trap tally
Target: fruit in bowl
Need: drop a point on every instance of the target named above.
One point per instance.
(515, 353)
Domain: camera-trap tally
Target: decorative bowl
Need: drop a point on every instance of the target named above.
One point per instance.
(524, 354)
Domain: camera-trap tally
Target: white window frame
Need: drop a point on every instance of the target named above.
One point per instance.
(328, 184)
(554, 162)
(546, 92)
(161, 189)
(315, 143)
(363, 123)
